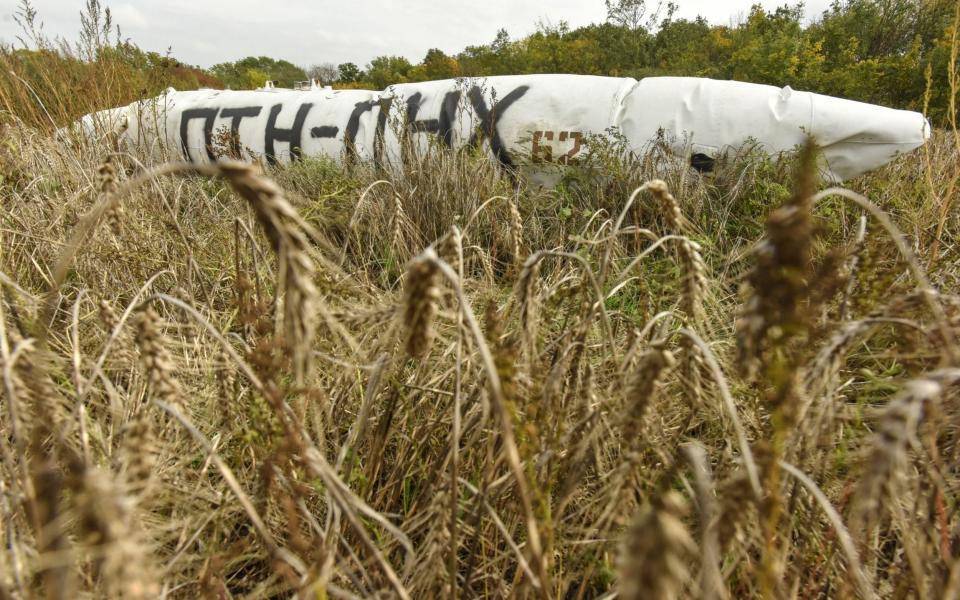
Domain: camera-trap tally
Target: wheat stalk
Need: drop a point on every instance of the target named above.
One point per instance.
(653, 559)
(421, 295)
(156, 360)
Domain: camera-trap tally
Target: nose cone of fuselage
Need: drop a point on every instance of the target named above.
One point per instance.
(709, 116)
(856, 137)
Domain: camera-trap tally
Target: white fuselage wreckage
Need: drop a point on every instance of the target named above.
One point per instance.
(535, 120)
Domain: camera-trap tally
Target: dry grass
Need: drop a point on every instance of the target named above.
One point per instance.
(344, 383)
(50, 82)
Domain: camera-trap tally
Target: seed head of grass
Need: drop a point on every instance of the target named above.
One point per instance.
(288, 237)
(421, 296)
(653, 561)
(155, 358)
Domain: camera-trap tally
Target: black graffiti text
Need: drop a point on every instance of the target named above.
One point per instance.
(293, 136)
(442, 126)
(236, 115)
(489, 117)
(209, 115)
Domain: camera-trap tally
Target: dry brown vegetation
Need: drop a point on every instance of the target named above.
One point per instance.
(50, 82)
(343, 383)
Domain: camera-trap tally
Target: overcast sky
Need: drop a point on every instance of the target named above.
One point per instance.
(205, 32)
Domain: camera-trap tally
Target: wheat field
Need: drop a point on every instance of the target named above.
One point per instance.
(326, 382)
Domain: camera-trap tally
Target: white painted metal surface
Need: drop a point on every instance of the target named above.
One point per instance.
(535, 121)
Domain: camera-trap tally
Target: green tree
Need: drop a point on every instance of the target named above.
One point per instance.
(386, 70)
(437, 65)
(255, 78)
(501, 57)
(881, 28)
(623, 51)
(552, 49)
(692, 48)
(282, 72)
(879, 50)
(772, 48)
(626, 13)
(629, 14)
(349, 73)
